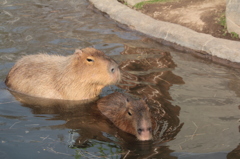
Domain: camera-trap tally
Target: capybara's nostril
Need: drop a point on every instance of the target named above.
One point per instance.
(139, 131)
(113, 67)
(113, 70)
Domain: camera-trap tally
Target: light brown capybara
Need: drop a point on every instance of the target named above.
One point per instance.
(75, 77)
(128, 114)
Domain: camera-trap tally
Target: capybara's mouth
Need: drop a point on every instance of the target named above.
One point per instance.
(145, 136)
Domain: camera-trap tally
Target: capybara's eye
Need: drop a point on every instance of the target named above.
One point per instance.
(90, 60)
(129, 113)
(127, 100)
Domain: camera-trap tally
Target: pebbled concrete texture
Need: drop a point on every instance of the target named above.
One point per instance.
(185, 37)
(232, 16)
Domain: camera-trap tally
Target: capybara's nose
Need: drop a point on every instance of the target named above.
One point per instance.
(113, 68)
(140, 130)
(144, 134)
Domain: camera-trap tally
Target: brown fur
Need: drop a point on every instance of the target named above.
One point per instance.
(75, 77)
(129, 115)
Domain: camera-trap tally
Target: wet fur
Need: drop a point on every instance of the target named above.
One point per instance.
(117, 106)
(60, 77)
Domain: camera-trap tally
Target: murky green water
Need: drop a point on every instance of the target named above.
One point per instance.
(194, 103)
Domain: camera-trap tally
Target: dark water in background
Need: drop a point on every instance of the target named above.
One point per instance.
(194, 102)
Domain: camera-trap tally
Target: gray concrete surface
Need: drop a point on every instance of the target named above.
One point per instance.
(233, 16)
(225, 49)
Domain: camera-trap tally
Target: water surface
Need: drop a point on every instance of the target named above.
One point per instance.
(194, 102)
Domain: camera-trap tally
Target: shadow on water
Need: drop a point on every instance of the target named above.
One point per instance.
(152, 77)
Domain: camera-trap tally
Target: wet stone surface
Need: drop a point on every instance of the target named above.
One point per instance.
(194, 103)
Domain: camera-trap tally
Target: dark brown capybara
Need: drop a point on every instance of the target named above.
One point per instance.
(128, 114)
(75, 77)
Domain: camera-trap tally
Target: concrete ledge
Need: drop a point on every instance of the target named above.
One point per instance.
(225, 49)
(233, 16)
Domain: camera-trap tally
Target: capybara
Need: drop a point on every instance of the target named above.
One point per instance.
(128, 114)
(74, 77)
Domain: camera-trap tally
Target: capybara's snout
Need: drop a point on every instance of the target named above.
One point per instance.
(144, 131)
(114, 71)
(113, 67)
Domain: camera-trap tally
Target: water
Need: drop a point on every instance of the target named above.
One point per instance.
(194, 102)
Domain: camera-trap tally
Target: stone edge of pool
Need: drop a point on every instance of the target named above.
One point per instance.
(174, 33)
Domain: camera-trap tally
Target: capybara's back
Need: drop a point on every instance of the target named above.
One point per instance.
(128, 114)
(75, 77)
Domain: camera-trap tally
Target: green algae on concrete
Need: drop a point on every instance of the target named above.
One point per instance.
(141, 4)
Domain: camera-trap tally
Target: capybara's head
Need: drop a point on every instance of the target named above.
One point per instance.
(96, 67)
(128, 114)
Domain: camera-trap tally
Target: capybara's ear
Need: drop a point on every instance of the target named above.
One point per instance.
(78, 52)
(144, 99)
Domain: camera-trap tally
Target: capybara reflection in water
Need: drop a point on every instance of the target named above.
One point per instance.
(75, 77)
(128, 114)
